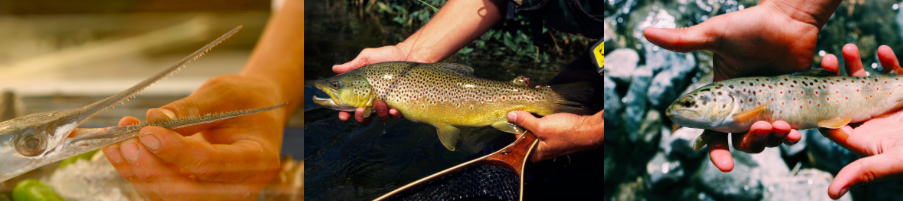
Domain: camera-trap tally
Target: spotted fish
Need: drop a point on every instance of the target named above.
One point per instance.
(804, 102)
(446, 96)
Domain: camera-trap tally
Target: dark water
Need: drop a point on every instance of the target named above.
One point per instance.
(350, 161)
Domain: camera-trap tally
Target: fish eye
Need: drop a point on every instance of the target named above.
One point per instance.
(687, 103)
(336, 84)
(30, 143)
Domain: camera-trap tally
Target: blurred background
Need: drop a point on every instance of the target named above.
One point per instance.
(647, 157)
(58, 55)
(350, 161)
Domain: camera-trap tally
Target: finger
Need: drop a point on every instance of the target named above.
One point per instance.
(754, 141)
(357, 62)
(684, 39)
(524, 119)
(720, 154)
(239, 161)
(344, 116)
(395, 113)
(382, 111)
(115, 157)
(888, 60)
(359, 116)
(852, 60)
(779, 133)
(841, 136)
(829, 62)
(147, 167)
(793, 137)
(866, 170)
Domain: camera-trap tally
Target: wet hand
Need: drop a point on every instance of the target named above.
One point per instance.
(877, 140)
(371, 56)
(231, 159)
(560, 134)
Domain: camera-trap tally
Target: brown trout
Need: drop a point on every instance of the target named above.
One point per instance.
(804, 102)
(447, 95)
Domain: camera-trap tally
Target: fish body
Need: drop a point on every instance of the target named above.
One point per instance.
(444, 95)
(804, 102)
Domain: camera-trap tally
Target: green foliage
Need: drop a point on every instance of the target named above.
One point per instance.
(510, 41)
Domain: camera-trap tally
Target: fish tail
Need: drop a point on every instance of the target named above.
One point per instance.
(574, 97)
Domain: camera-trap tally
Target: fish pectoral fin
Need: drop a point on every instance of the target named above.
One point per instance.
(509, 127)
(749, 114)
(704, 139)
(835, 122)
(448, 135)
(367, 111)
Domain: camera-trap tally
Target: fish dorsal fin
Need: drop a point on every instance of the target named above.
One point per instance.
(819, 72)
(748, 114)
(835, 122)
(521, 80)
(458, 68)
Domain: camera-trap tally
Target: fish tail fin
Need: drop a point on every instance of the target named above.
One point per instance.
(574, 97)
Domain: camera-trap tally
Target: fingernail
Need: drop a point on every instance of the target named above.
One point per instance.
(843, 191)
(168, 113)
(130, 151)
(114, 157)
(151, 142)
(512, 116)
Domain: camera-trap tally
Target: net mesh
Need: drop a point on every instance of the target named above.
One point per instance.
(478, 182)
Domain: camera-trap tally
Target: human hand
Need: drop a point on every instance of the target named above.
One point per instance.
(765, 39)
(877, 140)
(232, 159)
(560, 134)
(366, 57)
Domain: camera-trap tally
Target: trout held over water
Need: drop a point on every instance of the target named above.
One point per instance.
(447, 95)
(804, 102)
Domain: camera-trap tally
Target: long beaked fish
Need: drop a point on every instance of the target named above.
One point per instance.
(447, 95)
(804, 102)
(35, 140)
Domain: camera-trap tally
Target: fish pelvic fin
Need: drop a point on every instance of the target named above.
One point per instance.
(835, 122)
(749, 114)
(574, 96)
(508, 127)
(449, 136)
(704, 139)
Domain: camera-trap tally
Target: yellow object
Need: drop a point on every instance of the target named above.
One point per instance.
(598, 53)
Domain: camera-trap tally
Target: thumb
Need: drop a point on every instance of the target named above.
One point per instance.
(523, 119)
(351, 65)
(684, 39)
(864, 171)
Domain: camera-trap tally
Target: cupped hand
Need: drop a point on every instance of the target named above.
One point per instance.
(560, 134)
(231, 159)
(877, 140)
(371, 56)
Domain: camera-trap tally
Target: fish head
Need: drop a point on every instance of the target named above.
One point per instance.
(35, 140)
(346, 92)
(706, 107)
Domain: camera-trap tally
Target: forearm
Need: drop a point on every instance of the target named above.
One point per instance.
(815, 12)
(279, 54)
(455, 25)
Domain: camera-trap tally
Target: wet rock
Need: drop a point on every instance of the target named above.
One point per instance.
(650, 130)
(770, 163)
(609, 163)
(807, 184)
(793, 150)
(825, 154)
(674, 73)
(679, 143)
(635, 101)
(652, 15)
(743, 183)
(632, 190)
(612, 109)
(621, 64)
(663, 171)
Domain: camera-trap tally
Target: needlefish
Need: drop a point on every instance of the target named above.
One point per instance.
(35, 140)
(814, 99)
(447, 96)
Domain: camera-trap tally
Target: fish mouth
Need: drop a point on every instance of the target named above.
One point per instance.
(330, 101)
